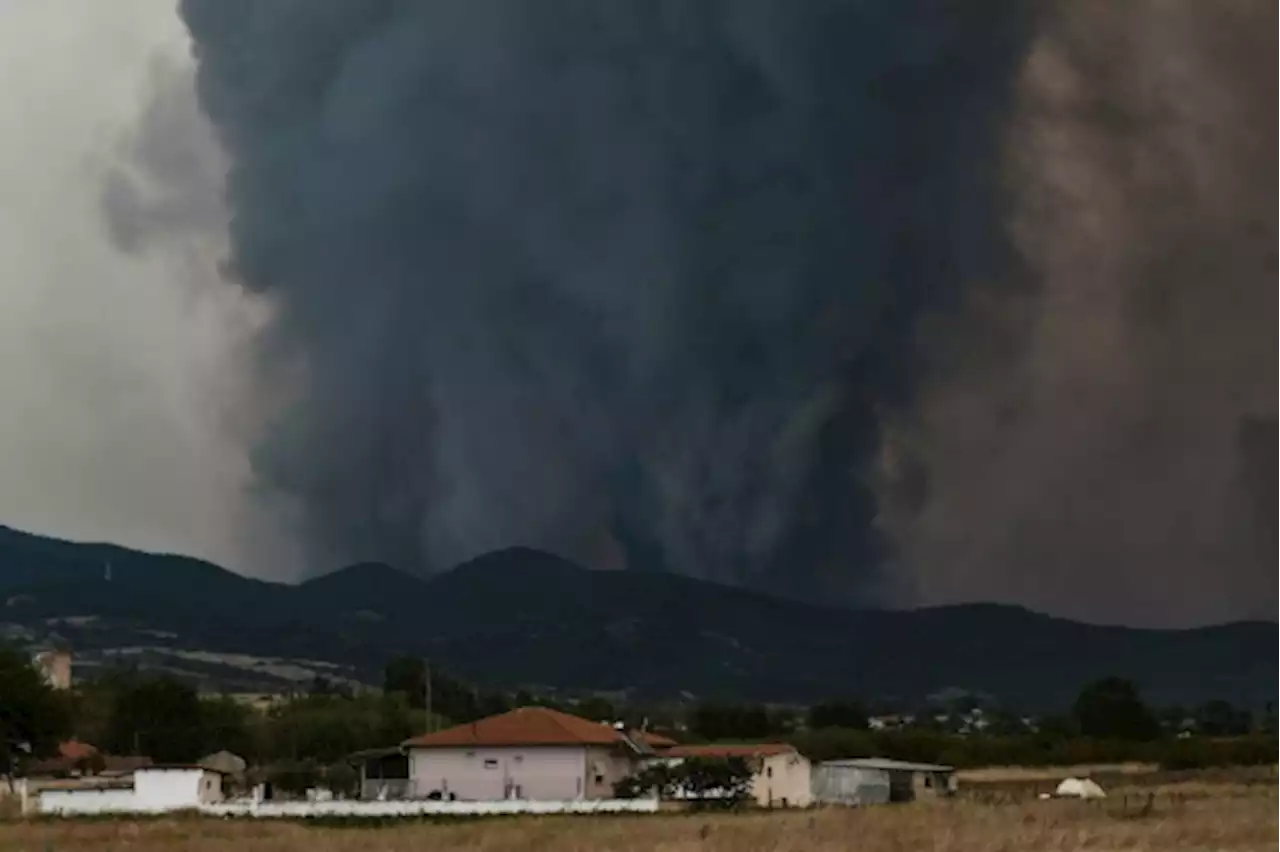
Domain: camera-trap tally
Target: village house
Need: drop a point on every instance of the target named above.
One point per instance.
(780, 775)
(527, 753)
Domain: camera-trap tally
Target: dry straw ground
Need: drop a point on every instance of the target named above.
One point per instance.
(1189, 818)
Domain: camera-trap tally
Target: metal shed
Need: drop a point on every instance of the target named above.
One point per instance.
(877, 780)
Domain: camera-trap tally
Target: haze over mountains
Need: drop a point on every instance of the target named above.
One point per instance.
(523, 617)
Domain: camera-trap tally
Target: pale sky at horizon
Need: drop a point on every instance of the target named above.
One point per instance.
(115, 368)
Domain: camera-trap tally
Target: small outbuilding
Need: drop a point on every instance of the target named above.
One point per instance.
(384, 773)
(151, 789)
(878, 780)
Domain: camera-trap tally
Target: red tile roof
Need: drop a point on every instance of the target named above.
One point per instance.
(729, 750)
(525, 726)
(76, 750)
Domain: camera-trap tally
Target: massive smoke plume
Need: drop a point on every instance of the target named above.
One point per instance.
(564, 272)
(1123, 465)
(651, 284)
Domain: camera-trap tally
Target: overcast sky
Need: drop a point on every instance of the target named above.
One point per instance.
(116, 368)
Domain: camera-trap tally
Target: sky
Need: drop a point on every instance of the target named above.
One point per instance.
(1091, 468)
(115, 366)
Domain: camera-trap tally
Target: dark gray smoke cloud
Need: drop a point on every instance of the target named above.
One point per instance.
(580, 275)
(1121, 463)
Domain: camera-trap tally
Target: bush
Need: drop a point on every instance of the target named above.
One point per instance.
(703, 782)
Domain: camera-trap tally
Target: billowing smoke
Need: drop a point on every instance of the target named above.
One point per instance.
(1121, 464)
(602, 277)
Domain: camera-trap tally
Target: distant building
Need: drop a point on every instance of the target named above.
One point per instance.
(780, 775)
(262, 702)
(78, 759)
(876, 780)
(890, 722)
(527, 753)
(55, 668)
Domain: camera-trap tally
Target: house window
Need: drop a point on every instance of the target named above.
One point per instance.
(519, 758)
(490, 763)
(768, 772)
(599, 778)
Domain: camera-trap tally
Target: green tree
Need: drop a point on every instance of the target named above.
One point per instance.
(1111, 708)
(713, 721)
(158, 717)
(33, 717)
(227, 724)
(451, 698)
(596, 708)
(1220, 719)
(326, 728)
(706, 782)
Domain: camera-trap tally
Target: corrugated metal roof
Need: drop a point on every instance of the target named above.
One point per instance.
(890, 765)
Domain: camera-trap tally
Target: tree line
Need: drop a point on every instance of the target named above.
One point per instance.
(126, 712)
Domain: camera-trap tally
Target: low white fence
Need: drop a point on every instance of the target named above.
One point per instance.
(72, 803)
(425, 807)
(105, 801)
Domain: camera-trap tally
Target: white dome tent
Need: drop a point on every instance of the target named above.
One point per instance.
(1079, 788)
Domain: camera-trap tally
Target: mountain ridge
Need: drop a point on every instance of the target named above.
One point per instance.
(522, 616)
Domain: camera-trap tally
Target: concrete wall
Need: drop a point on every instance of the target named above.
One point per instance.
(176, 788)
(87, 801)
(783, 780)
(606, 767)
(536, 773)
(421, 807)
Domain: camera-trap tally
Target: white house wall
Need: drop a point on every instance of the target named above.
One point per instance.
(87, 801)
(605, 768)
(489, 774)
(783, 780)
(176, 788)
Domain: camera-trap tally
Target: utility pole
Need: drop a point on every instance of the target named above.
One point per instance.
(426, 688)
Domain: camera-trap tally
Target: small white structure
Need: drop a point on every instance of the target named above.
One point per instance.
(170, 787)
(1079, 788)
(153, 789)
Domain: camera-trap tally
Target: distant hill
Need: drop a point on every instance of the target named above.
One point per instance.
(524, 617)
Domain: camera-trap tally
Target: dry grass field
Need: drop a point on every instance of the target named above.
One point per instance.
(1000, 774)
(1194, 817)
